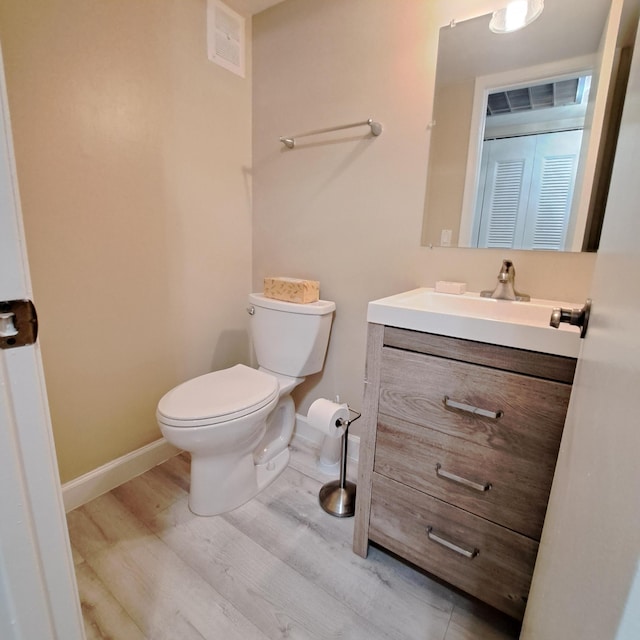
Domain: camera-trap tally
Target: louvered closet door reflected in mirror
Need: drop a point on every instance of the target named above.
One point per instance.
(526, 191)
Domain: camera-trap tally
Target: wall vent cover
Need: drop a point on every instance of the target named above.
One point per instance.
(561, 93)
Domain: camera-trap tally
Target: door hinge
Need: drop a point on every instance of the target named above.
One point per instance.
(18, 323)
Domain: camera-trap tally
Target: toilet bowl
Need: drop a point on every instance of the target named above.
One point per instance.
(237, 423)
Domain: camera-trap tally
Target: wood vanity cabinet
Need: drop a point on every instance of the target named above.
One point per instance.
(457, 457)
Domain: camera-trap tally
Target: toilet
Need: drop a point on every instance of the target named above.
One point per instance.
(237, 423)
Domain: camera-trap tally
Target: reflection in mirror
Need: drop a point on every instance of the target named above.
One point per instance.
(517, 124)
(529, 161)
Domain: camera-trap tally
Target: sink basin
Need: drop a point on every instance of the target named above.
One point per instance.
(523, 325)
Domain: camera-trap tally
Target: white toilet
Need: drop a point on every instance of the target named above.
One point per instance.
(237, 422)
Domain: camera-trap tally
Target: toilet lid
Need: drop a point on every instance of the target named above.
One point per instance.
(218, 397)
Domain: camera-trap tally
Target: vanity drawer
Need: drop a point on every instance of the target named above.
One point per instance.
(471, 553)
(530, 363)
(530, 411)
(500, 487)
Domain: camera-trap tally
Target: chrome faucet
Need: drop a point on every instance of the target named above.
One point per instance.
(505, 289)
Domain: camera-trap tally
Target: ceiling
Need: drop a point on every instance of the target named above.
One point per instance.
(566, 29)
(251, 7)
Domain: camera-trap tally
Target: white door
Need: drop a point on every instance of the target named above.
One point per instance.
(586, 584)
(528, 190)
(38, 593)
(505, 174)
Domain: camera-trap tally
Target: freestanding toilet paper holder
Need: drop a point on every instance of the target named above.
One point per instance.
(338, 497)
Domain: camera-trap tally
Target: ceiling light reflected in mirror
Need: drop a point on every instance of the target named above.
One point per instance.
(554, 79)
(516, 15)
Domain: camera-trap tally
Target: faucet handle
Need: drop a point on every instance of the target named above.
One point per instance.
(506, 285)
(507, 271)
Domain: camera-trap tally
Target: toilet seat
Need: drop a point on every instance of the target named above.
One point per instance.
(217, 397)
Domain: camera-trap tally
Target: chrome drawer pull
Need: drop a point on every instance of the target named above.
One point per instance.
(452, 404)
(441, 473)
(467, 553)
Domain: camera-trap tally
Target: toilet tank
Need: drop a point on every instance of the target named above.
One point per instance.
(290, 338)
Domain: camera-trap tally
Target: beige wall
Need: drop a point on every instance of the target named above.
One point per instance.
(349, 213)
(134, 162)
(133, 156)
(449, 144)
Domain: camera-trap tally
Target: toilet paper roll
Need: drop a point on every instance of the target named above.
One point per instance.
(328, 417)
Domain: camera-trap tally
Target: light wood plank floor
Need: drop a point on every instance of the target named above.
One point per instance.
(277, 567)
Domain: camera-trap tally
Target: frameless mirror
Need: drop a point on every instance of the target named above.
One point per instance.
(516, 156)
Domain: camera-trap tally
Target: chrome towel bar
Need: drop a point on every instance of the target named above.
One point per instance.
(290, 141)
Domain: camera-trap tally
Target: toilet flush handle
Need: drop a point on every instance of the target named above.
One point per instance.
(251, 310)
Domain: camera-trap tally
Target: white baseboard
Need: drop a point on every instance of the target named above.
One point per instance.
(305, 433)
(81, 490)
(313, 438)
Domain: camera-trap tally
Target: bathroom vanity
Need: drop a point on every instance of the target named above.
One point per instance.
(459, 448)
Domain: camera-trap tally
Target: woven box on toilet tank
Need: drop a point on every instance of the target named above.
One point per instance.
(292, 290)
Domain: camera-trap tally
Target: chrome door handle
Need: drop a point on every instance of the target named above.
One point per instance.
(575, 317)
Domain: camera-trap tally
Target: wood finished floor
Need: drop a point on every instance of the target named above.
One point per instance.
(277, 567)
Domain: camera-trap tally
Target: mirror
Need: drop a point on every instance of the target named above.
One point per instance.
(515, 158)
